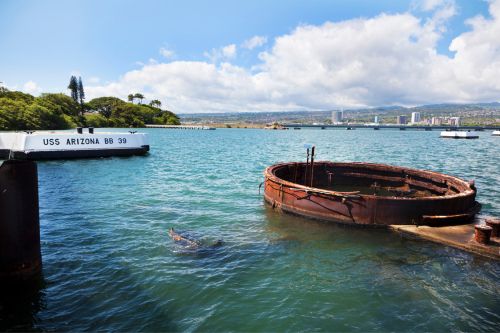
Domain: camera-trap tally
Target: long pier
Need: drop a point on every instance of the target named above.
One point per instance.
(394, 126)
(185, 127)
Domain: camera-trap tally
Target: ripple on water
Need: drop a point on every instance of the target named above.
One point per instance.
(109, 263)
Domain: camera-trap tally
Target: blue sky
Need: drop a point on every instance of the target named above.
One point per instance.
(44, 42)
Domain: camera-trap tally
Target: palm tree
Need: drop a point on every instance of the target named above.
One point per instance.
(155, 103)
(131, 98)
(139, 96)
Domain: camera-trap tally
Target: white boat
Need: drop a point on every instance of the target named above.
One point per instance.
(459, 135)
(496, 133)
(82, 143)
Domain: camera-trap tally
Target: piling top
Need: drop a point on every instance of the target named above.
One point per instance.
(483, 227)
(493, 220)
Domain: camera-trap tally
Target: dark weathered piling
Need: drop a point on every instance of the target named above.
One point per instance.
(20, 255)
(482, 234)
(494, 223)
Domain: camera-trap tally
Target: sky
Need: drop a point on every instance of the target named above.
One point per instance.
(235, 56)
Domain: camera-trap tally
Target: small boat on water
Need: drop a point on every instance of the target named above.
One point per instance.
(369, 194)
(496, 133)
(459, 135)
(82, 143)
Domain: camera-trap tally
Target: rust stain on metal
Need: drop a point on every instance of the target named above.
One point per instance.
(482, 234)
(369, 194)
(494, 223)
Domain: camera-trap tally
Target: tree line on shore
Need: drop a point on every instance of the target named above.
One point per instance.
(21, 111)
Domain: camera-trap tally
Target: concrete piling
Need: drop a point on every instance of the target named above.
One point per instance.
(20, 255)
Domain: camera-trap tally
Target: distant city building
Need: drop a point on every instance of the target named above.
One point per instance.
(337, 117)
(438, 121)
(454, 121)
(375, 120)
(401, 120)
(415, 117)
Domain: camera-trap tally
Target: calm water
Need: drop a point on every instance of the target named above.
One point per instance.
(110, 265)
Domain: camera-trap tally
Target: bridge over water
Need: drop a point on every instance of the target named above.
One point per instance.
(393, 126)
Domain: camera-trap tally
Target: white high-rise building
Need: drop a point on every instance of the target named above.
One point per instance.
(336, 117)
(415, 117)
(375, 120)
(455, 121)
(437, 121)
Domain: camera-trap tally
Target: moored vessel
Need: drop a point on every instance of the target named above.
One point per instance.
(459, 135)
(369, 194)
(82, 143)
(496, 133)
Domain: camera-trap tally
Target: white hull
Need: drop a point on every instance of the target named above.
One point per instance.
(459, 135)
(53, 145)
(496, 133)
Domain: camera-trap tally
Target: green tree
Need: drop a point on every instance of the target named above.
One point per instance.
(131, 98)
(148, 113)
(73, 86)
(167, 118)
(60, 103)
(40, 116)
(10, 113)
(20, 111)
(55, 111)
(96, 120)
(81, 92)
(155, 103)
(105, 105)
(16, 95)
(127, 115)
(140, 97)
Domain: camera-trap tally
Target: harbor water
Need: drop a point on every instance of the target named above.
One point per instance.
(109, 264)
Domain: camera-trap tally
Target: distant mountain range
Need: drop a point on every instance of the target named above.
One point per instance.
(443, 106)
(473, 110)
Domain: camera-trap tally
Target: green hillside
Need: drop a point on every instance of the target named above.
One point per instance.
(21, 111)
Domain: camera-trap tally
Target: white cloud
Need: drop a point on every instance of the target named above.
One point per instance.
(93, 80)
(428, 5)
(229, 51)
(255, 41)
(221, 54)
(384, 60)
(166, 53)
(441, 11)
(476, 63)
(444, 10)
(32, 88)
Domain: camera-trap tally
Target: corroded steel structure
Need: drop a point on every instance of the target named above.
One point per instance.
(369, 194)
